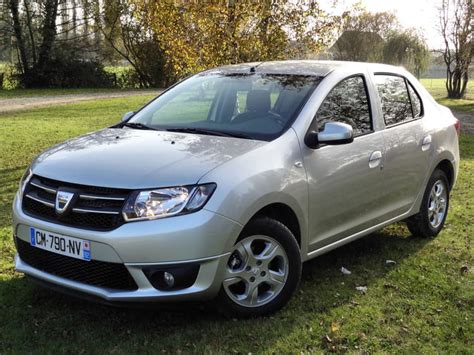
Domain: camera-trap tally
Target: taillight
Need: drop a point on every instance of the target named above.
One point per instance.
(457, 125)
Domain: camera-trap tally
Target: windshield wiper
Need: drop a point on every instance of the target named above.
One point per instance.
(210, 132)
(138, 125)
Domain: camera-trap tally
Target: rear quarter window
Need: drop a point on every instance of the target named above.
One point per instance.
(415, 101)
(400, 102)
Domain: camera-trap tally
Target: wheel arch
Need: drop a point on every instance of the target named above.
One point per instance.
(447, 167)
(283, 214)
(445, 164)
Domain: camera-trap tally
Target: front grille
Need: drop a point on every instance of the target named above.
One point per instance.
(95, 273)
(95, 208)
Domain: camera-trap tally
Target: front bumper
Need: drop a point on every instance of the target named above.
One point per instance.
(206, 286)
(203, 238)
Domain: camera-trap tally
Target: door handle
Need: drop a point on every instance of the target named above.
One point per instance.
(375, 159)
(426, 143)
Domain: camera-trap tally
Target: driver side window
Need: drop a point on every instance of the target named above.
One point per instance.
(347, 103)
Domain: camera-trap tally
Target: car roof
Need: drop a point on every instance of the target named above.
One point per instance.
(303, 67)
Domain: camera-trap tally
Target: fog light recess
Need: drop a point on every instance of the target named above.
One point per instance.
(172, 278)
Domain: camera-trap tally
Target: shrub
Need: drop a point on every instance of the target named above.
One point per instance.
(69, 73)
(124, 77)
(9, 77)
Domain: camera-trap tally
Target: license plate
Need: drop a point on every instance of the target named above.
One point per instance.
(60, 244)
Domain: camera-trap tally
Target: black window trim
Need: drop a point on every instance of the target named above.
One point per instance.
(422, 108)
(407, 82)
(314, 123)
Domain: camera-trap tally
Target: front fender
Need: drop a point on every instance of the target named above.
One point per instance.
(270, 174)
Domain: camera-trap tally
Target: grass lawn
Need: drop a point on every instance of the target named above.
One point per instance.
(437, 89)
(424, 303)
(457, 105)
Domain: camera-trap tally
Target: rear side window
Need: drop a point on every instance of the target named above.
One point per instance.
(347, 103)
(415, 102)
(400, 102)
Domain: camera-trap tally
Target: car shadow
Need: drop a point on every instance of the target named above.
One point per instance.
(322, 288)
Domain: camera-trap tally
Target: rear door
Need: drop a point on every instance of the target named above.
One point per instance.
(345, 181)
(407, 142)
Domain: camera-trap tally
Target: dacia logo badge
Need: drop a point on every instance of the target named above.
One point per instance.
(63, 200)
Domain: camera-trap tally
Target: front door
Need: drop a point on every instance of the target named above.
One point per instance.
(345, 181)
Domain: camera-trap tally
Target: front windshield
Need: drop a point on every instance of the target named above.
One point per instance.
(256, 105)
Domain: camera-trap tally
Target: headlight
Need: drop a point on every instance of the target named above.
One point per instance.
(167, 202)
(24, 180)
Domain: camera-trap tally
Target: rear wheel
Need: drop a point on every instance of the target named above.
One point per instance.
(263, 270)
(434, 207)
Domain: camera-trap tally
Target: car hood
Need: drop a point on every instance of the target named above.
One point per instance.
(131, 158)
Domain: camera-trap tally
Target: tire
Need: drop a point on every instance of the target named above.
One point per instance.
(263, 270)
(424, 224)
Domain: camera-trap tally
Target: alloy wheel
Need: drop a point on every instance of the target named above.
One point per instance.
(256, 272)
(437, 204)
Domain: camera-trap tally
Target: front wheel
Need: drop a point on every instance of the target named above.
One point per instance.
(263, 270)
(434, 207)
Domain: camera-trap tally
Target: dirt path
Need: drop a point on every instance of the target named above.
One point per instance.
(27, 103)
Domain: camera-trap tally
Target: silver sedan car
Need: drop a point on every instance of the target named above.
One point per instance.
(227, 182)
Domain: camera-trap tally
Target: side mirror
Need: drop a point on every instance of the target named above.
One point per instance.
(334, 133)
(127, 115)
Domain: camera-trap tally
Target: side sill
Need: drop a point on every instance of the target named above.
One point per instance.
(346, 240)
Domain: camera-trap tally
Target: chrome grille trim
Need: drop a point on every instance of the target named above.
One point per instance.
(43, 187)
(84, 210)
(37, 199)
(94, 197)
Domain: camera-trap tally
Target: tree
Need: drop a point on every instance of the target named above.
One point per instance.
(127, 30)
(408, 49)
(382, 23)
(13, 6)
(48, 32)
(362, 35)
(456, 26)
(359, 46)
(195, 35)
(52, 43)
(5, 33)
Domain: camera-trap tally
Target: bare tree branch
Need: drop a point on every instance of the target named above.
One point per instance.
(456, 20)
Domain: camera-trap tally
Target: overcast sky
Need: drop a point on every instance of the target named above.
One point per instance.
(421, 14)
